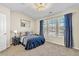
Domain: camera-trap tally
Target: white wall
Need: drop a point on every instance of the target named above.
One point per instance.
(76, 29)
(6, 11)
(36, 26)
(75, 23)
(16, 22)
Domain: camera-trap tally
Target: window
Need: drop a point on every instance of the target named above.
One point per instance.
(61, 26)
(54, 27)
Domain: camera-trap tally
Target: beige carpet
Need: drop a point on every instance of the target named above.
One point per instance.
(47, 49)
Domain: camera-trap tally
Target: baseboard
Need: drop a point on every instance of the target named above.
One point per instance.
(54, 43)
(75, 48)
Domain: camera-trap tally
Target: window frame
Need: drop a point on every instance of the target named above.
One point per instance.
(57, 19)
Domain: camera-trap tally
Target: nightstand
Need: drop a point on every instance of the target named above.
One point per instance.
(15, 40)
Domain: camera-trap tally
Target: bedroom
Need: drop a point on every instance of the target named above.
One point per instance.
(24, 17)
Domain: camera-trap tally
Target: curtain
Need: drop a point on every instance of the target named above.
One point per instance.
(68, 38)
(41, 27)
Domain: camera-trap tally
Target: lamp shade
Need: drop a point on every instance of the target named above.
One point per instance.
(15, 31)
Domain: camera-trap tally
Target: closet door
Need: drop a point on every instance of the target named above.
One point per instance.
(3, 35)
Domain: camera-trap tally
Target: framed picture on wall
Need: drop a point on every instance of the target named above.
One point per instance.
(25, 23)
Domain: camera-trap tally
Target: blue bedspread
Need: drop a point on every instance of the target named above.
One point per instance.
(34, 42)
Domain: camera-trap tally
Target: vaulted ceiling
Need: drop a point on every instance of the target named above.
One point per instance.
(29, 10)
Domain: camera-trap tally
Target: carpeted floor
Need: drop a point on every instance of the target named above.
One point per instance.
(47, 49)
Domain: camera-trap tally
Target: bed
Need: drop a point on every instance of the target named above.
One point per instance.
(32, 41)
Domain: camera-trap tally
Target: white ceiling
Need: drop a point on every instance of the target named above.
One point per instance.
(29, 10)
